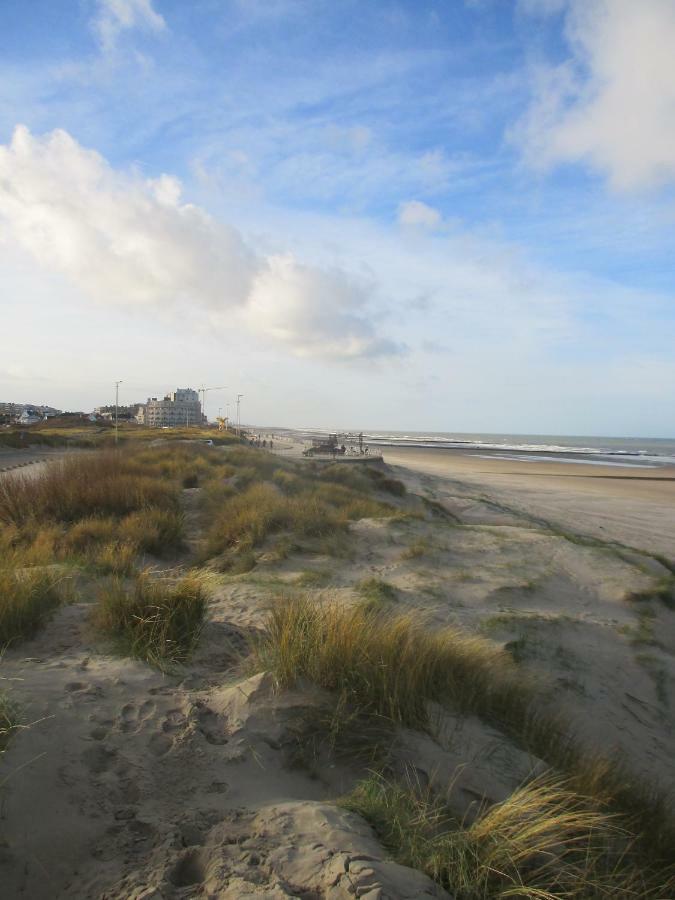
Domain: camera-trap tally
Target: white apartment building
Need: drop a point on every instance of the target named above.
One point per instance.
(179, 409)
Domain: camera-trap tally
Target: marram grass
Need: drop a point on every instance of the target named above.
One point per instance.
(28, 597)
(388, 667)
(544, 842)
(154, 619)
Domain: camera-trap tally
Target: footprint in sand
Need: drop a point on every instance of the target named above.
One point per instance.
(210, 724)
(132, 718)
(174, 721)
(162, 741)
(99, 758)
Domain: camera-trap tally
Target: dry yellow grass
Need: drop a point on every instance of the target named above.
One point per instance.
(158, 620)
(27, 598)
(388, 667)
(544, 842)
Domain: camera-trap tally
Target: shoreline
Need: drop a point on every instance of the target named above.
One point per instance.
(636, 509)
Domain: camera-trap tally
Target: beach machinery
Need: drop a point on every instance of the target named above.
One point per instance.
(336, 445)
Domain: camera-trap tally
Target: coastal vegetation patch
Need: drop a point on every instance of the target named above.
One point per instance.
(155, 619)
(544, 841)
(386, 666)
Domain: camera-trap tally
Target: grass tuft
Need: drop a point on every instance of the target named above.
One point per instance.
(154, 619)
(28, 597)
(376, 594)
(388, 666)
(544, 841)
(8, 720)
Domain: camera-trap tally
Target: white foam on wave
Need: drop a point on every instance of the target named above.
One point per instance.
(568, 459)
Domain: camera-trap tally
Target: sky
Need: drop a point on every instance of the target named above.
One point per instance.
(441, 215)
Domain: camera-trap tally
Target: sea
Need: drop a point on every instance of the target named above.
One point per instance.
(606, 451)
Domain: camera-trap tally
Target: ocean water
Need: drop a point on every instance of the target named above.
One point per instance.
(585, 450)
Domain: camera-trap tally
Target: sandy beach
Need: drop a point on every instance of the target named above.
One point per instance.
(632, 505)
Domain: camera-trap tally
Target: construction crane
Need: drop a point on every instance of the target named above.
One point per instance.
(204, 391)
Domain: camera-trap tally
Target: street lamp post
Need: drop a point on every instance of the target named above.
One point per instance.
(239, 396)
(117, 400)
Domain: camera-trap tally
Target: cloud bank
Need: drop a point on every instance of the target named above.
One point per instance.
(127, 241)
(612, 103)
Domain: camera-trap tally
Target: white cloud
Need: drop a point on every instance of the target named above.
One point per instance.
(284, 299)
(612, 105)
(416, 213)
(130, 241)
(114, 16)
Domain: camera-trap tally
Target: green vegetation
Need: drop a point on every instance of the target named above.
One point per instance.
(27, 599)
(101, 484)
(8, 720)
(69, 432)
(155, 620)
(376, 593)
(387, 667)
(544, 841)
(663, 591)
(278, 497)
(418, 548)
(313, 578)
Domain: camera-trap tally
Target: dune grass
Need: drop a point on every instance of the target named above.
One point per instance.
(419, 547)
(544, 841)
(8, 720)
(313, 578)
(246, 519)
(28, 597)
(155, 620)
(85, 485)
(388, 667)
(376, 593)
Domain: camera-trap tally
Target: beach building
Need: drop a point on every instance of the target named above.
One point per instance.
(178, 409)
(26, 413)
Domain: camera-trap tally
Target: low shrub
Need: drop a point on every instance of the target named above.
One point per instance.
(153, 619)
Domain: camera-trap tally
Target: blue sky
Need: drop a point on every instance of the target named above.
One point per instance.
(417, 215)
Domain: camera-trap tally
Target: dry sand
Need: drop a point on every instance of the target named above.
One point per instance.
(134, 784)
(633, 505)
